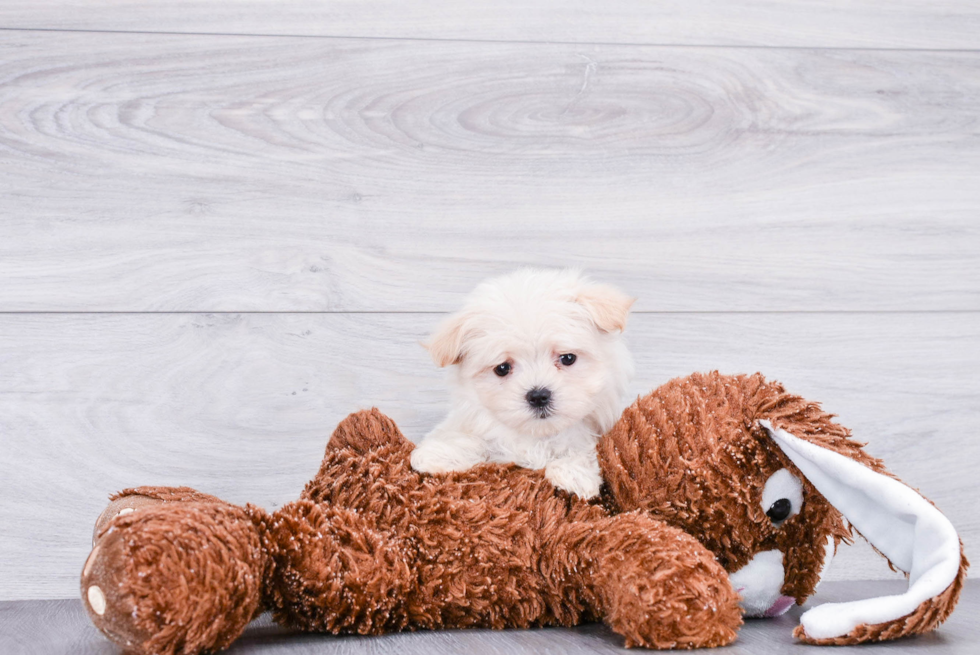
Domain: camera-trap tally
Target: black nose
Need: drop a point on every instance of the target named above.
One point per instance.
(538, 397)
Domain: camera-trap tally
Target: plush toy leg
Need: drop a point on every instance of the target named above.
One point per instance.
(333, 573)
(174, 576)
(654, 584)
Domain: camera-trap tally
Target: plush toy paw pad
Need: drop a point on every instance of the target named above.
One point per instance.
(96, 599)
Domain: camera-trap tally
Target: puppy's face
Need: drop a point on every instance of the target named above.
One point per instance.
(539, 350)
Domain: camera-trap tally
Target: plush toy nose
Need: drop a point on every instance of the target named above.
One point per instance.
(538, 397)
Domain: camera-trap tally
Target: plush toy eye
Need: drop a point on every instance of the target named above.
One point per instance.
(502, 369)
(567, 359)
(779, 510)
(782, 497)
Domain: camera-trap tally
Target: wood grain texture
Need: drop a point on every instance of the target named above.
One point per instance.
(168, 173)
(799, 23)
(61, 626)
(242, 405)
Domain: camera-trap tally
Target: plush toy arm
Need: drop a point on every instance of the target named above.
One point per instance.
(652, 583)
(903, 526)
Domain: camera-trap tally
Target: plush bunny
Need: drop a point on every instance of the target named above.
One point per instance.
(723, 496)
(771, 485)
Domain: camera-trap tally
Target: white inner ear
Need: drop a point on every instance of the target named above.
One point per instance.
(828, 557)
(897, 521)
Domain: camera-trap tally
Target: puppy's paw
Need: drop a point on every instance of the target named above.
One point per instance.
(436, 456)
(577, 474)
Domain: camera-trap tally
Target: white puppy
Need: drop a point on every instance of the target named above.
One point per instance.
(540, 372)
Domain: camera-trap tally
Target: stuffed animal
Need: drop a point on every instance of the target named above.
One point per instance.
(723, 496)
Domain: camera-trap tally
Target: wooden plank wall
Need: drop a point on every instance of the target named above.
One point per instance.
(795, 23)
(223, 226)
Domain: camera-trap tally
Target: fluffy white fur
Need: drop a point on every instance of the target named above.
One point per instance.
(528, 320)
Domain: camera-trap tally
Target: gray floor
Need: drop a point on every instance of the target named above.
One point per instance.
(60, 626)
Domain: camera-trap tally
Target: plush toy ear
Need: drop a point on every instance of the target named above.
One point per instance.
(446, 343)
(902, 525)
(607, 305)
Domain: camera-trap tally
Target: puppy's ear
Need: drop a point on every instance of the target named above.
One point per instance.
(446, 343)
(607, 305)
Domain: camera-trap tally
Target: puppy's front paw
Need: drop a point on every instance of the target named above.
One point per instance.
(435, 456)
(577, 474)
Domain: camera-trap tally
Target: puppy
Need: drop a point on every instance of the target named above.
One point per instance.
(540, 372)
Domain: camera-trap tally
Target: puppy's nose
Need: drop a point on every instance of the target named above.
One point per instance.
(538, 397)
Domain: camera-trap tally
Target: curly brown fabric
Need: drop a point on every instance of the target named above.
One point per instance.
(372, 546)
(692, 453)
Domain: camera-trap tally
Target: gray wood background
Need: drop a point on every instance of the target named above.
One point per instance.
(224, 226)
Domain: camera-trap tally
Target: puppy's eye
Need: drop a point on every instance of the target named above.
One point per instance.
(502, 369)
(567, 359)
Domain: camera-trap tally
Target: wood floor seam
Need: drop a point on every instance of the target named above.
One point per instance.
(604, 44)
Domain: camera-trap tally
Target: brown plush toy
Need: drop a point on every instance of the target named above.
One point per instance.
(723, 496)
